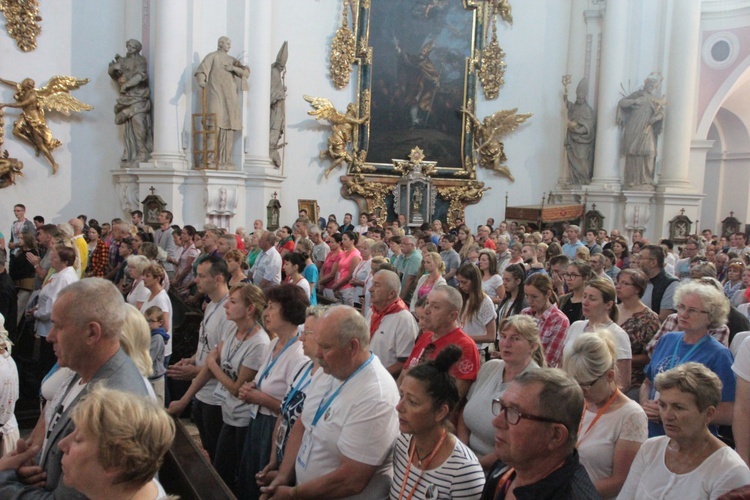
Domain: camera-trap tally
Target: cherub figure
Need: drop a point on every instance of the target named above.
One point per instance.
(342, 129)
(31, 126)
(487, 136)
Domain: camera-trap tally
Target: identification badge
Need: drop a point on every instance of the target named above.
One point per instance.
(304, 450)
(221, 393)
(281, 433)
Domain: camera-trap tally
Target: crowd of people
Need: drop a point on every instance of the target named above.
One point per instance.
(381, 361)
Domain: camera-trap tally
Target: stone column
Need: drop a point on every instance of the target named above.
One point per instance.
(171, 68)
(258, 19)
(681, 91)
(613, 58)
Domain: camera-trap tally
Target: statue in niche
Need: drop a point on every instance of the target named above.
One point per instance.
(134, 102)
(278, 108)
(641, 114)
(579, 139)
(342, 129)
(31, 126)
(218, 76)
(416, 205)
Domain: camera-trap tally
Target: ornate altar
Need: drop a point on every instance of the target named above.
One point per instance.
(594, 219)
(153, 205)
(680, 227)
(414, 195)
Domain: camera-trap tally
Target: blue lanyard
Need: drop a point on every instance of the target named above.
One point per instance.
(297, 388)
(689, 353)
(324, 404)
(267, 371)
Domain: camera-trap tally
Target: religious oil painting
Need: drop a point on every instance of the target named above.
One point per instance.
(419, 79)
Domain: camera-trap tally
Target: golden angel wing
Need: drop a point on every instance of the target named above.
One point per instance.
(506, 120)
(55, 96)
(324, 109)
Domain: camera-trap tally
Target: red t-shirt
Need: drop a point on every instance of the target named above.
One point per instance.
(490, 244)
(465, 368)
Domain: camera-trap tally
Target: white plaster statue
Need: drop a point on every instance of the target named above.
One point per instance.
(579, 139)
(218, 75)
(641, 115)
(278, 108)
(134, 102)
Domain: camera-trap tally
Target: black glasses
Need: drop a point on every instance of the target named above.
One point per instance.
(513, 416)
(589, 385)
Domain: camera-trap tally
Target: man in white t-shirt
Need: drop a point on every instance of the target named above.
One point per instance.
(342, 444)
(393, 329)
(212, 279)
(267, 268)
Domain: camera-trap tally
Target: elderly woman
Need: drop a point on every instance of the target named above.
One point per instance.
(362, 271)
(613, 425)
(601, 314)
(283, 357)
(520, 350)
(638, 321)
(108, 456)
(138, 293)
(689, 462)
(699, 308)
(428, 460)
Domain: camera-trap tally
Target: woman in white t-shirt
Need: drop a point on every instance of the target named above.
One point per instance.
(135, 446)
(613, 425)
(492, 282)
(478, 313)
(689, 462)
(138, 293)
(601, 313)
(428, 460)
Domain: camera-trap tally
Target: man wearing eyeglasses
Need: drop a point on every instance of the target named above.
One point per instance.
(536, 428)
(659, 294)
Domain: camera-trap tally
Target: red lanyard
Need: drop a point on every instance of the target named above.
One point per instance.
(426, 465)
(504, 482)
(599, 414)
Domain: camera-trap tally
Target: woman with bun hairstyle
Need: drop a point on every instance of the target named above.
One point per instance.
(429, 461)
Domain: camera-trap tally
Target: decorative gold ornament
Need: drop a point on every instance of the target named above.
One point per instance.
(504, 9)
(55, 96)
(490, 64)
(343, 52)
(487, 135)
(416, 163)
(22, 17)
(342, 129)
(358, 162)
(470, 169)
(374, 192)
(460, 196)
(9, 167)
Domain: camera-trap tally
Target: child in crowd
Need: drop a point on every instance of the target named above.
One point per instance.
(159, 336)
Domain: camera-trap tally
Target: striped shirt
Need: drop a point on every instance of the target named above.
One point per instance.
(460, 476)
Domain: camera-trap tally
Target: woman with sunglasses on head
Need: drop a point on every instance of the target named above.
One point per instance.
(428, 460)
(613, 425)
(520, 350)
(600, 313)
(699, 308)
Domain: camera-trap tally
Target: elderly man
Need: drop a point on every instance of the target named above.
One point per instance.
(212, 279)
(266, 271)
(88, 317)
(164, 240)
(483, 238)
(536, 429)
(659, 294)
(442, 329)
(320, 247)
(341, 445)
(392, 326)
(408, 263)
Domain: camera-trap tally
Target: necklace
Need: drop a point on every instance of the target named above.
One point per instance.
(427, 461)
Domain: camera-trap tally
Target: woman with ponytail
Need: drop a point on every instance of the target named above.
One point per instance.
(428, 460)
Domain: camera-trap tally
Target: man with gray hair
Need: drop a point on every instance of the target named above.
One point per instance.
(320, 247)
(266, 271)
(441, 330)
(408, 263)
(392, 326)
(88, 318)
(503, 254)
(342, 444)
(536, 429)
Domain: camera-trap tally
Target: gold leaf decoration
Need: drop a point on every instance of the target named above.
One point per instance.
(22, 22)
(492, 66)
(343, 52)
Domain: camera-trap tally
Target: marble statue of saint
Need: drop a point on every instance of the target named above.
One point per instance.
(579, 139)
(218, 75)
(641, 115)
(278, 108)
(134, 102)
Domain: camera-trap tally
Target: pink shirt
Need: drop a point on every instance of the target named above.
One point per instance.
(344, 272)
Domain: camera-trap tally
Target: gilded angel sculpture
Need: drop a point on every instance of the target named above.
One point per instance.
(31, 126)
(342, 129)
(487, 135)
(9, 167)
